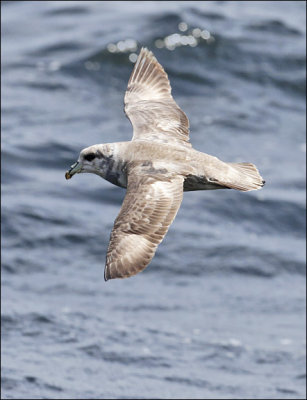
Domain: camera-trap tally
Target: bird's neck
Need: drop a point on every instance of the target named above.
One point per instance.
(115, 170)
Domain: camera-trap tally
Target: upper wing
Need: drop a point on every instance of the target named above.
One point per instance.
(149, 207)
(149, 105)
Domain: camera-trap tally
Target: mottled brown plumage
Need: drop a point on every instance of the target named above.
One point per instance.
(150, 205)
(150, 106)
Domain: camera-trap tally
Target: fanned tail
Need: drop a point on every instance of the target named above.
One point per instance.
(247, 177)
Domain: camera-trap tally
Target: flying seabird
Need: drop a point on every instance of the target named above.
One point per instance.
(155, 167)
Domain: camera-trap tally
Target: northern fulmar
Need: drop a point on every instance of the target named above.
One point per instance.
(156, 167)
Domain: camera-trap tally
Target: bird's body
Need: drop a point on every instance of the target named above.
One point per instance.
(156, 167)
(200, 171)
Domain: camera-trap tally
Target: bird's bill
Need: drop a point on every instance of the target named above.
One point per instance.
(74, 169)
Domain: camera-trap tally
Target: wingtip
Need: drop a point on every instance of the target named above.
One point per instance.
(148, 53)
(145, 50)
(105, 275)
(148, 76)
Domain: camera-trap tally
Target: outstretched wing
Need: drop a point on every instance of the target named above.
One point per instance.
(149, 105)
(150, 206)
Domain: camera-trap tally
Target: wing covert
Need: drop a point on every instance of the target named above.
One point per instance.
(149, 207)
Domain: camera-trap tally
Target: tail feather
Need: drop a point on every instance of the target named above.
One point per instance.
(246, 178)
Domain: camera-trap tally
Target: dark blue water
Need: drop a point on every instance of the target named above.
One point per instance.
(220, 311)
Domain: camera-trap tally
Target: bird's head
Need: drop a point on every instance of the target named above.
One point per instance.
(94, 159)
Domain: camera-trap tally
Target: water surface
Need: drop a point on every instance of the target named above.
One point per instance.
(220, 311)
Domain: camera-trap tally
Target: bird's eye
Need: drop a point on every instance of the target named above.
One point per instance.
(89, 157)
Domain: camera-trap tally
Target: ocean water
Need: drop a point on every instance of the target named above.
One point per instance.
(220, 311)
